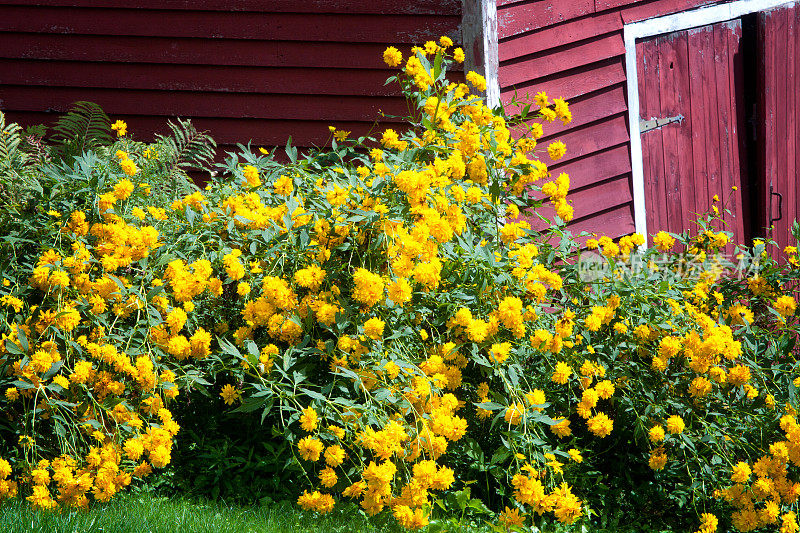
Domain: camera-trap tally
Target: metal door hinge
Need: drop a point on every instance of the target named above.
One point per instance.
(655, 123)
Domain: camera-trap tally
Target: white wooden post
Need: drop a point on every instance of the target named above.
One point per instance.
(479, 38)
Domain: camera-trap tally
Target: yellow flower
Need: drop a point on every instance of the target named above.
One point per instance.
(562, 373)
(120, 127)
(656, 434)
(675, 425)
(128, 167)
(477, 81)
(663, 241)
(373, 328)
(658, 459)
(251, 175)
(392, 56)
(741, 472)
(334, 455)
(510, 518)
(561, 427)
(308, 420)
(230, 394)
(600, 425)
(309, 448)
(556, 150)
(785, 305)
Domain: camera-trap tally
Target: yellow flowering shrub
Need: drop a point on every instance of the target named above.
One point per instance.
(388, 310)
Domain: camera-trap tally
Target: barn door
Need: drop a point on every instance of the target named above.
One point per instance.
(779, 143)
(690, 108)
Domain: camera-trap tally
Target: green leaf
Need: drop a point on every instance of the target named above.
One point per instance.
(12, 347)
(23, 340)
(312, 394)
(152, 292)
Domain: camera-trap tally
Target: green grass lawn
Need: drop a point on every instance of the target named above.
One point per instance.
(131, 513)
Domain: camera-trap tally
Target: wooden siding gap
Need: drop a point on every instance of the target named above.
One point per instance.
(593, 137)
(384, 7)
(202, 104)
(521, 17)
(408, 29)
(561, 59)
(197, 78)
(597, 166)
(585, 109)
(658, 8)
(558, 35)
(579, 81)
(614, 222)
(602, 5)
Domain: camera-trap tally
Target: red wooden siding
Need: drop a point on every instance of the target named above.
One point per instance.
(575, 49)
(780, 76)
(243, 69)
(693, 74)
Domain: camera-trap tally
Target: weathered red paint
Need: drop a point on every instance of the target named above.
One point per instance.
(410, 29)
(519, 17)
(418, 7)
(205, 78)
(179, 50)
(598, 105)
(576, 82)
(222, 105)
(574, 50)
(243, 69)
(691, 73)
(596, 167)
(778, 33)
(563, 34)
(564, 58)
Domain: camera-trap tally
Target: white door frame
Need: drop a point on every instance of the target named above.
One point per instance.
(657, 26)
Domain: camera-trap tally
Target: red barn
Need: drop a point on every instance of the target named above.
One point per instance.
(242, 69)
(674, 101)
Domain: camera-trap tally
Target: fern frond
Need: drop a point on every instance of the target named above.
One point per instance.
(190, 149)
(12, 158)
(84, 127)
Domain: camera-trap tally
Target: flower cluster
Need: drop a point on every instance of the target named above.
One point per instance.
(393, 312)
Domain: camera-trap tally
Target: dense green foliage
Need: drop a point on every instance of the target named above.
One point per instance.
(405, 322)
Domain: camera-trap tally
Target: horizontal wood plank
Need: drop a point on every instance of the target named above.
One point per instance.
(601, 196)
(658, 8)
(384, 7)
(602, 5)
(521, 17)
(384, 29)
(561, 59)
(558, 35)
(262, 132)
(594, 137)
(590, 108)
(596, 167)
(571, 84)
(168, 50)
(196, 78)
(615, 222)
(180, 103)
